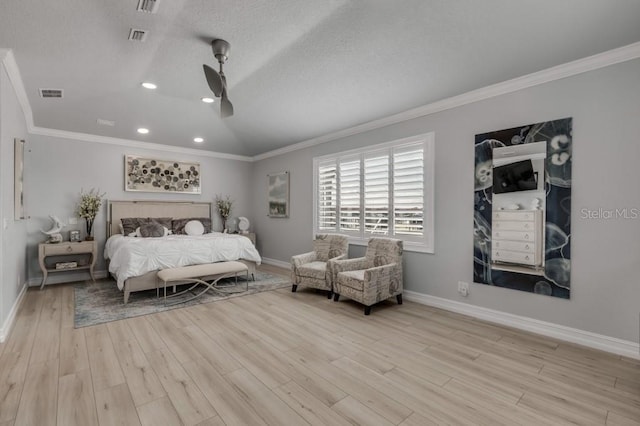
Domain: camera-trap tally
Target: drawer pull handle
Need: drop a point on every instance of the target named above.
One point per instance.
(526, 236)
(69, 249)
(497, 253)
(526, 257)
(527, 246)
(526, 225)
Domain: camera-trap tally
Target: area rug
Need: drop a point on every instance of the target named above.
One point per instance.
(100, 302)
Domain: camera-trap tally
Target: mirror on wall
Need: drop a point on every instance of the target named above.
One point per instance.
(522, 208)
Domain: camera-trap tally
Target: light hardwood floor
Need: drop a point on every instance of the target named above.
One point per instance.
(283, 358)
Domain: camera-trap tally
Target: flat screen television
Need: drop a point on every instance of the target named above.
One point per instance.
(512, 177)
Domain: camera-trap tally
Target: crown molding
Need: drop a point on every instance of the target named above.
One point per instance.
(87, 137)
(11, 66)
(590, 63)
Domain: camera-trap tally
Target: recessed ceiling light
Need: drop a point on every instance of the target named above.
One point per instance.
(148, 85)
(207, 100)
(143, 130)
(198, 140)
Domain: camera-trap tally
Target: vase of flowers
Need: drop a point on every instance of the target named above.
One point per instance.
(88, 208)
(224, 206)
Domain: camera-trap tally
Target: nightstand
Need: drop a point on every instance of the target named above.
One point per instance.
(251, 236)
(84, 253)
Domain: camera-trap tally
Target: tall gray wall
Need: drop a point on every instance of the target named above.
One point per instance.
(605, 106)
(12, 252)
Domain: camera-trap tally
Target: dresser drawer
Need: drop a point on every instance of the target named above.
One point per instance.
(499, 255)
(511, 225)
(520, 246)
(514, 215)
(514, 236)
(67, 248)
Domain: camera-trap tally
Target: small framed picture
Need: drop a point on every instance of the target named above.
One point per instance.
(74, 236)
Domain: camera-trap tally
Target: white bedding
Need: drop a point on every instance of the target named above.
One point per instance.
(131, 256)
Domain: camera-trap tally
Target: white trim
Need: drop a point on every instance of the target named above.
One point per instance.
(8, 323)
(590, 63)
(579, 66)
(275, 262)
(87, 137)
(556, 331)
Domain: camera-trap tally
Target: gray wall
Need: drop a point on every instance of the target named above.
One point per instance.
(12, 252)
(605, 106)
(58, 169)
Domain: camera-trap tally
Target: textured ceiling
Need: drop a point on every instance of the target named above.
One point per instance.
(298, 69)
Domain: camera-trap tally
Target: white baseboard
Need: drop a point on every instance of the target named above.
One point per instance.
(61, 277)
(573, 335)
(275, 262)
(8, 323)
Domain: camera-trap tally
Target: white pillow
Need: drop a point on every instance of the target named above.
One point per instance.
(194, 227)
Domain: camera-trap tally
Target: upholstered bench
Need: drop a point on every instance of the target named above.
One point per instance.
(198, 274)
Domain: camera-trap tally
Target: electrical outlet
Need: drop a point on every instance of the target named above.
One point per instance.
(463, 288)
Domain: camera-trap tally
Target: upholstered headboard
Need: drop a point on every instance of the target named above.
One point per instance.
(173, 209)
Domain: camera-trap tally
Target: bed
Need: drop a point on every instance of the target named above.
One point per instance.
(134, 261)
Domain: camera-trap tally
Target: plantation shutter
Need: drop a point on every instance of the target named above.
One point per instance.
(327, 196)
(349, 194)
(408, 190)
(376, 193)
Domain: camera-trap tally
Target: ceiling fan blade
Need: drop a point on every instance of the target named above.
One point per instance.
(214, 80)
(226, 107)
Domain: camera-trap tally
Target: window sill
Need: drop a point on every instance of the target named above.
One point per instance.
(412, 246)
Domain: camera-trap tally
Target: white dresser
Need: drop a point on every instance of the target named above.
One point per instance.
(516, 238)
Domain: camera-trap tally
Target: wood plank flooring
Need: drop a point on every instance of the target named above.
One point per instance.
(282, 358)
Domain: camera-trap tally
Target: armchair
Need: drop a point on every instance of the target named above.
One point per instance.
(311, 269)
(373, 278)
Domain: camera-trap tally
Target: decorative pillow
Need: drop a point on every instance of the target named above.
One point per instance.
(194, 227)
(164, 221)
(177, 225)
(152, 229)
(130, 224)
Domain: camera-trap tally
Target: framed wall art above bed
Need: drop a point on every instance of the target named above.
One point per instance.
(152, 175)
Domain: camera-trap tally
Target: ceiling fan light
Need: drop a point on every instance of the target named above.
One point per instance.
(149, 85)
(208, 100)
(143, 130)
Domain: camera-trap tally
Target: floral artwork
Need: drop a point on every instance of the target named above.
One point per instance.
(150, 175)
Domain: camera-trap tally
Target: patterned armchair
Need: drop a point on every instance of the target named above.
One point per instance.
(373, 278)
(311, 269)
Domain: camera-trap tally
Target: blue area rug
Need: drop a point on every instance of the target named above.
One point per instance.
(100, 302)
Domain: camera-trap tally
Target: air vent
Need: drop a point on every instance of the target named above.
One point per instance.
(149, 6)
(51, 93)
(104, 122)
(138, 35)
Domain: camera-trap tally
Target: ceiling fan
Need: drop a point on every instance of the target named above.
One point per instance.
(216, 80)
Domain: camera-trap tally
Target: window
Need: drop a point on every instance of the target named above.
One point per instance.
(383, 190)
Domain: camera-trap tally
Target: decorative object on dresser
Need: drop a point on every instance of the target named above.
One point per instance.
(312, 269)
(278, 194)
(243, 225)
(74, 236)
(54, 233)
(88, 208)
(373, 278)
(62, 256)
(224, 206)
(151, 175)
(523, 178)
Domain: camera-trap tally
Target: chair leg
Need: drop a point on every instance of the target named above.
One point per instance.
(367, 310)
(336, 296)
(294, 287)
(399, 299)
(329, 294)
